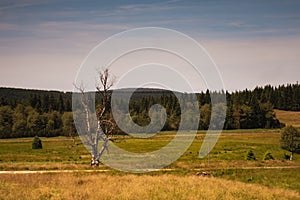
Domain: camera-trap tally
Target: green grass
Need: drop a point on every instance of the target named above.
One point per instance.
(281, 178)
(227, 159)
(231, 147)
(54, 150)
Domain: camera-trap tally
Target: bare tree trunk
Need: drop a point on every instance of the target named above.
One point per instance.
(105, 122)
(100, 135)
(104, 147)
(291, 157)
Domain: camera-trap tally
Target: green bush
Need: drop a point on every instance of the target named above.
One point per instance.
(290, 140)
(37, 143)
(268, 156)
(250, 155)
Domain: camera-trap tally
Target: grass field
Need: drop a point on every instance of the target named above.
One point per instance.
(231, 176)
(227, 159)
(288, 117)
(230, 151)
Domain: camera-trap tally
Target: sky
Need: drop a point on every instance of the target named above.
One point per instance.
(253, 43)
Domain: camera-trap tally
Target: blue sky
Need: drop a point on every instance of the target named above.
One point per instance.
(42, 43)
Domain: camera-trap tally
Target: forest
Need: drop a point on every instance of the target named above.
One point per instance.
(26, 113)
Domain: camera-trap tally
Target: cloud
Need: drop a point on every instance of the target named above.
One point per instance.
(137, 8)
(9, 27)
(54, 37)
(240, 24)
(13, 4)
(253, 43)
(67, 25)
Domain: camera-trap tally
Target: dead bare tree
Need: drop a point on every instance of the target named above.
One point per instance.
(105, 123)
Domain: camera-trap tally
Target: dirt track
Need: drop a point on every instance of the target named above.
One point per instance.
(107, 170)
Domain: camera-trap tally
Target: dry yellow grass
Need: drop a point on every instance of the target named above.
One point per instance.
(101, 186)
(288, 117)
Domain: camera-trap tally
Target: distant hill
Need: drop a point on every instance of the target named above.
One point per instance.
(19, 95)
(145, 92)
(288, 117)
(283, 97)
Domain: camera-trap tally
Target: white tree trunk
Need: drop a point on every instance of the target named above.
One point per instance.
(291, 157)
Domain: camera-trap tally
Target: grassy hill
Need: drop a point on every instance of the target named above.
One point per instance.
(288, 117)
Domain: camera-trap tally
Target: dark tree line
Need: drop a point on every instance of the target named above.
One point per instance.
(25, 121)
(284, 97)
(240, 113)
(42, 101)
(26, 113)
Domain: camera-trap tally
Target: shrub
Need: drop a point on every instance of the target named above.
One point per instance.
(268, 156)
(250, 155)
(286, 156)
(37, 143)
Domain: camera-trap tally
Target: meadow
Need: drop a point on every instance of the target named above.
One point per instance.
(289, 117)
(231, 176)
(102, 186)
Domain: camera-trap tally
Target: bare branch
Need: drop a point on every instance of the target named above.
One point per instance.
(105, 122)
(85, 102)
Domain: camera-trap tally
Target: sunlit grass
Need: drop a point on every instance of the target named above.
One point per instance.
(289, 117)
(227, 159)
(100, 186)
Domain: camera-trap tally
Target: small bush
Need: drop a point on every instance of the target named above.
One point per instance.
(268, 156)
(250, 155)
(37, 143)
(250, 179)
(286, 156)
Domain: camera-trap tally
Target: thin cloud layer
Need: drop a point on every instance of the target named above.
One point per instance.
(256, 38)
